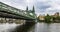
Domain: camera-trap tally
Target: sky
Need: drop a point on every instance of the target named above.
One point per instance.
(41, 6)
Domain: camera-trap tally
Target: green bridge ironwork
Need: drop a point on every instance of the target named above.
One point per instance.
(29, 14)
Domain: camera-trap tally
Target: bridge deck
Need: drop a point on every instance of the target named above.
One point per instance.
(6, 15)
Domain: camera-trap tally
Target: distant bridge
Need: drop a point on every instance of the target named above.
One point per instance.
(11, 12)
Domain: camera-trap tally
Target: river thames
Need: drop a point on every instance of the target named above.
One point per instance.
(38, 27)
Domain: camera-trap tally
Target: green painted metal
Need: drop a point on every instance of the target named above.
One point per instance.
(7, 8)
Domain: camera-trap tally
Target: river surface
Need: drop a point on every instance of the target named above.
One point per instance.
(38, 27)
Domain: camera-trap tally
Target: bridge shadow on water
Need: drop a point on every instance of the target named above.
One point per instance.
(24, 28)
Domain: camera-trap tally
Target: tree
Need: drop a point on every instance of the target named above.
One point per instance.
(47, 19)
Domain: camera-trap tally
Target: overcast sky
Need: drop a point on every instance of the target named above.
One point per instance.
(41, 6)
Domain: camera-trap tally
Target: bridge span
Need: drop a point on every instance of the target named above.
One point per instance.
(9, 12)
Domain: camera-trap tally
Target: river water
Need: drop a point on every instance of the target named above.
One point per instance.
(38, 27)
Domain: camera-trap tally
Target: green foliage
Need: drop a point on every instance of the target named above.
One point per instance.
(58, 18)
(47, 19)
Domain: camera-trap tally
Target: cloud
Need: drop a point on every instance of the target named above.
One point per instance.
(15, 3)
(48, 6)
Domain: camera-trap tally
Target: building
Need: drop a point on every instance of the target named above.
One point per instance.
(56, 14)
(41, 17)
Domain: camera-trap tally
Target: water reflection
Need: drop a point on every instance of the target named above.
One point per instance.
(29, 27)
(41, 27)
(24, 28)
(6, 27)
(44, 27)
(38, 27)
(55, 27)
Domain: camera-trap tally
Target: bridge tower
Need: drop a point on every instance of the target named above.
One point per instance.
(27, 9)
(33, 10)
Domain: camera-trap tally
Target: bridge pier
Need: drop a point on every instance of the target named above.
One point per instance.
(30, 22)
(25, 27)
